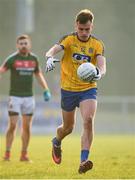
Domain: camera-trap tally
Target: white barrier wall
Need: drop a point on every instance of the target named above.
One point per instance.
(114, 115)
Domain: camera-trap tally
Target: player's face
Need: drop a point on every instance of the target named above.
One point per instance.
(84, 30)
(24, 46)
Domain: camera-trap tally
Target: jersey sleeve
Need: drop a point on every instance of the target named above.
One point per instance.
(7, 63)
(64, 42)
(100, 48)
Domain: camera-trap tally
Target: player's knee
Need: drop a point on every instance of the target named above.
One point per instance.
(88, 122)
(12, 127)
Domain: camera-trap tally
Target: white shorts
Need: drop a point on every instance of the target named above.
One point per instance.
(21, 105)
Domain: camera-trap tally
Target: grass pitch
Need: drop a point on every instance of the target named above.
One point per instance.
(113, 157)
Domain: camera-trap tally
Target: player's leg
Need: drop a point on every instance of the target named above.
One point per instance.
(25, 135)
(13, 111)
(67, 125)
(10, 134)
(62, 131)
(88, 109)
(68, 105)
(27, 110)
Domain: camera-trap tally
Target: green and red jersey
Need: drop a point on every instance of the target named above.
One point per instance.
(21, 77)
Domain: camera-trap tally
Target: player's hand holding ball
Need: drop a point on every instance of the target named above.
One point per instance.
(47, 95)
(97, 75)
(88, 72)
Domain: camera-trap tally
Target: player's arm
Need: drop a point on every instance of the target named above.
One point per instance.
(101, 61)
(101, 64)
(54, 50)
(100, 68)
(3, 68)
(50, 64)
(41, 80)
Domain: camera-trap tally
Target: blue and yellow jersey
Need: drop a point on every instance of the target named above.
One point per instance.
(77, 52)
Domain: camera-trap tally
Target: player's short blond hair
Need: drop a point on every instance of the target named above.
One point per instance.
(23, 36)
(84, 16)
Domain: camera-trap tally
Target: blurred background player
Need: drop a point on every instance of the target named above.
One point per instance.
(22, 65)
(78, 47)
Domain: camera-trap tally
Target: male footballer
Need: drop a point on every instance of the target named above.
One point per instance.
(23, 64)
(79, 47)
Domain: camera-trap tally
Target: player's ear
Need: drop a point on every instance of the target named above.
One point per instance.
(92, 26)
(30, 46)
(29, 43)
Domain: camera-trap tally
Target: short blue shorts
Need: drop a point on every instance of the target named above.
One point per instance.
(70, 100)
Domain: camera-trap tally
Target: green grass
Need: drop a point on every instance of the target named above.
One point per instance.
(113, 157)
